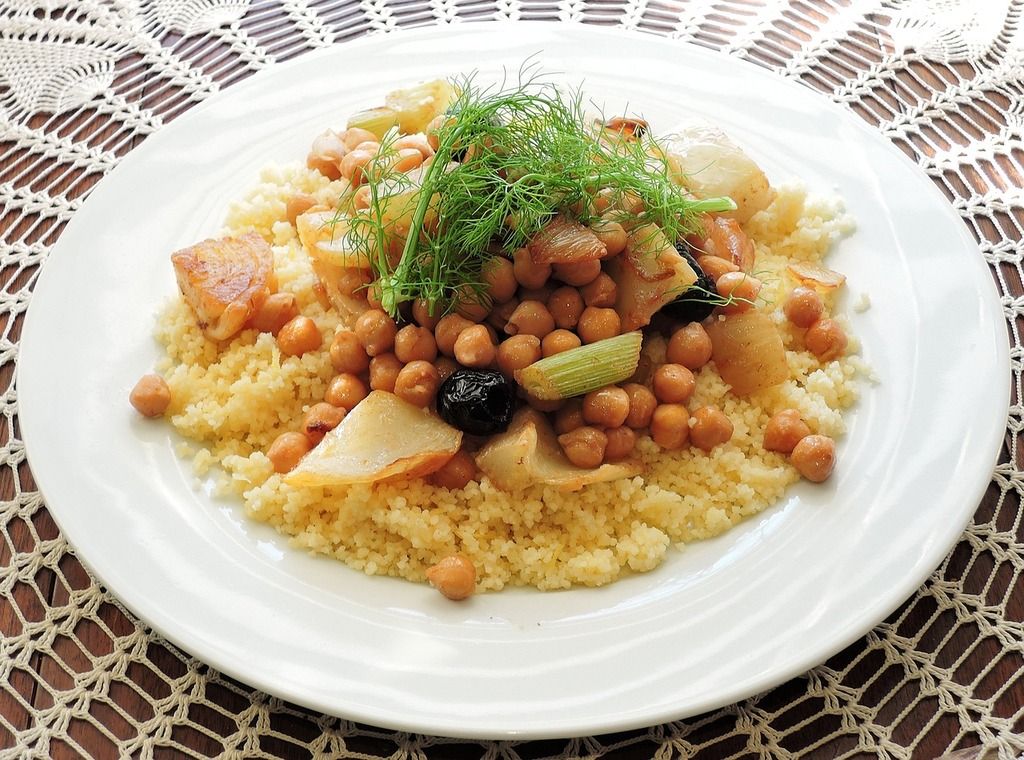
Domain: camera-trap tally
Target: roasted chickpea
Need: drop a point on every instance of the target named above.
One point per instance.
(597, 324)
(326, 153)
(286, 451)
(353, 166)
(457, 472)
(151, 396)
(709, 427)
(569, 417)
(670, 426)
(373, 296)
(803, 307)
(642, 404)
(413, 343)
(689, 346)
(621, 441)
(542, 294)
(741, 288)
(370, 146)
(499, 276)
(354, 136)
(376, 330)
(673, 383)
(299, 335)
(297, 204)
(826, 340)
(715, 266)
(384, 371)
(453, 576)
(528, 274)
(584, 446)
(417, 383)
(345, 391)
(530, 318)
(473, 306)
(601, 291)
(348, 354)
(784, 431)
(320, 420)
(447, 332)
(277, 310)
(557, 341)
(421, 313)
(814, 457)
(407, 159)
(445, 367)
(501, 313)
(416, 142)
(607, 407)
(474, 347)
(577, 274)
(612, 234)
(543, 404)
(566, 306)
(517, 352)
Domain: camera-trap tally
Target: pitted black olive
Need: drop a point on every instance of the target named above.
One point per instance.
(697, 302)
(476, 401)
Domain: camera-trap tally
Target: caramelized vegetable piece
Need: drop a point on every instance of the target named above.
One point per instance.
(566, 241)
(324, 235)
(415, 107)
(648, 274)
(528, 452)
(382, 437)
(748, 352)
(725, 239)
(816, 275)
(225, 281)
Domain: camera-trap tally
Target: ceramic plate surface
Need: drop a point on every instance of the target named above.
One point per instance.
(720, 621)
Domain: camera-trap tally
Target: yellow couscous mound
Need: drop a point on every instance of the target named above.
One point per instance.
(234, 400)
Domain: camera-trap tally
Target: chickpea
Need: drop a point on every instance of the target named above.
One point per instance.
(715, 266)
(299, 203)
(421, 313)
(803, 307)
(741, 288)
(670, 426)
(543, 405)
(612, 234)
(607, 407)
(569, 417)
(709, 427)
(501, 313)
(373, 296)
(689, 346)
(557, 341)
(376, 330)
(353, 166)
(577, 274)
(151, 396)
(354, 136)
(412, 343)
(363, 198)
(417, 383)
(286, 451)
(584, 446)
(673, 384)
(621, 441)
(345, 391)
(474, 307)
(814, 457)
(528, 274)
(517, 352)
(407, 159)
(384, 371)
(566, 306)
(447, 332)
(453, 576)
(320, 420)
(499, 276)
(370, 146)
(601, 291)
(784, 431)
(542, 294)
(445, 367)
(826, 340)
(642, 404)
(474, 347)
(417, 142)
(597, 324)
(298, 336)
(348, 354)
(457, 472)
(530, 318)
(326, 153)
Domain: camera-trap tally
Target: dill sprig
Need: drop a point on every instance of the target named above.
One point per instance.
(508, 159)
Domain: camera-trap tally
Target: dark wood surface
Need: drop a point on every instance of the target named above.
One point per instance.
(141, 690)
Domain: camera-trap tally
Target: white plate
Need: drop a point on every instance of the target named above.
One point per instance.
(721, 621)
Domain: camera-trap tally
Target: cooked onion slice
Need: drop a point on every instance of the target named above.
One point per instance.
(566, 241)
(816, 275)
(748, 352)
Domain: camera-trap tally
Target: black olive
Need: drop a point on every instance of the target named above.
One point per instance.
(697, 302)
(476, 401)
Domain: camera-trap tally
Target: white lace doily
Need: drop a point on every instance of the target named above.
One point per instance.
(84, 81)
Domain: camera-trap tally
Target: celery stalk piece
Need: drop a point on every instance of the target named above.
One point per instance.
(584, 369)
